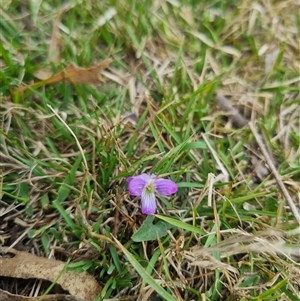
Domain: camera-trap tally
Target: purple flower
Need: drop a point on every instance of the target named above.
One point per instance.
(146, 186)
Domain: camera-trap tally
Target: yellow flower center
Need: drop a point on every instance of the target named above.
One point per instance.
(150, 188)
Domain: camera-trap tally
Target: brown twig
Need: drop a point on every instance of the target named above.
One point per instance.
(275, 173)
(238, 119)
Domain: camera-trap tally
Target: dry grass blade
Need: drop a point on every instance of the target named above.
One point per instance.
(200, 257)
(53, 52)
(215, 155)
(275, 172)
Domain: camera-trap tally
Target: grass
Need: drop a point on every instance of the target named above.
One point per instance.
(66, 149)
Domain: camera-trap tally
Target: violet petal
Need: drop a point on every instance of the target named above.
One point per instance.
(165, 186)
(136, 184)
(129, 179)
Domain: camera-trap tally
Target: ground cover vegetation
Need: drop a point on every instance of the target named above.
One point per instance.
(96, 92)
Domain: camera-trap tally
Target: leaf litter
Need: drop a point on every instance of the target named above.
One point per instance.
(71, 74)
(23, 265)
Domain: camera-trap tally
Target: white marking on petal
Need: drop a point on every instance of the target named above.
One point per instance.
(148, 202)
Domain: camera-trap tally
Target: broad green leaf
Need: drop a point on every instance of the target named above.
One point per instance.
(150, 231)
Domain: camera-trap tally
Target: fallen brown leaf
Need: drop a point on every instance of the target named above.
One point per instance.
(6, 296)
(77, 75)
(72, 74)
(27, 266)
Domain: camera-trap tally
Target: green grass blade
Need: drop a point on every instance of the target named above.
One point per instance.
(143, 273)
(180, 224)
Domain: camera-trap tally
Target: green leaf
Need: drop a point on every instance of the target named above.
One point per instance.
(190, 185)
(150, 231)
(195, 145)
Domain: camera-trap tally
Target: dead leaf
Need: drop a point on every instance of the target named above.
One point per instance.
(6, 296)
(27, 266)
(71, 74)
(78, 75)
(43, 74)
